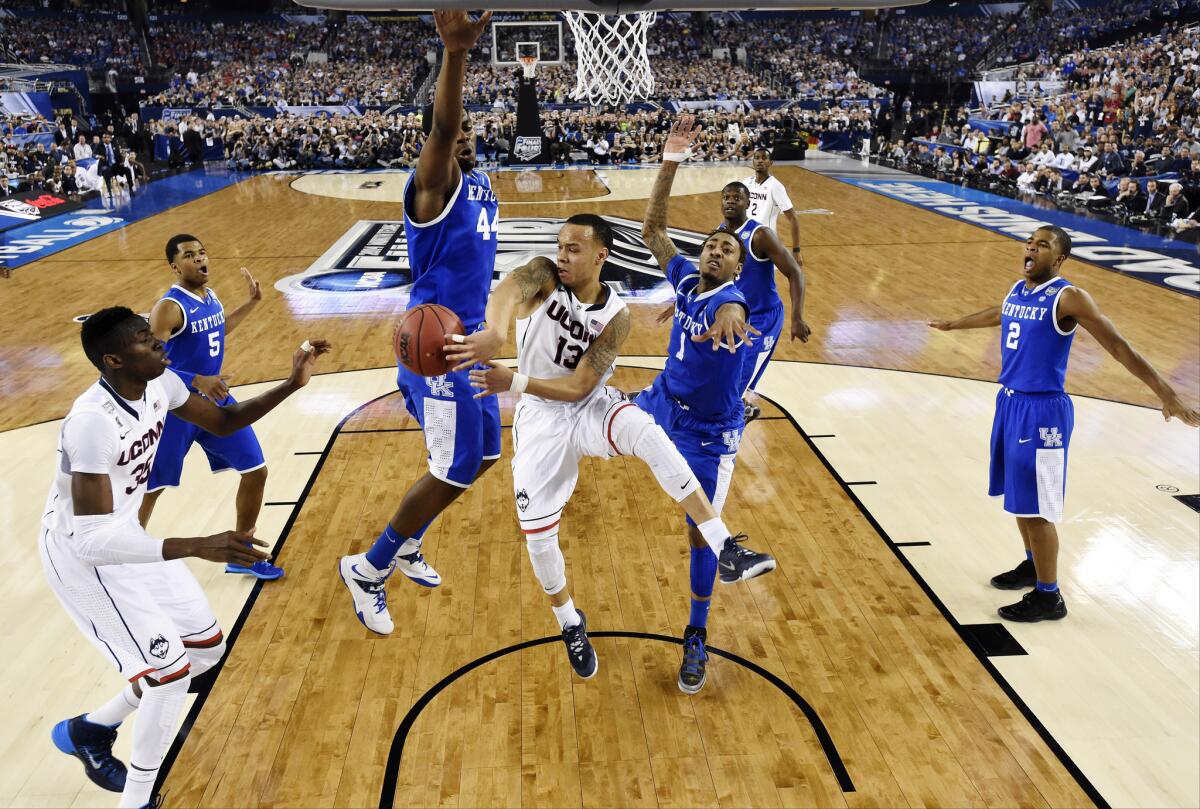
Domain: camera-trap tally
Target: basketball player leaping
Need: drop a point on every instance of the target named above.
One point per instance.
(450, 220)
(190, 319)
(764, 252)
(570, 329)
(1034, 417)
(129, 593)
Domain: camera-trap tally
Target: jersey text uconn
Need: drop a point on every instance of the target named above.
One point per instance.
(559, 313)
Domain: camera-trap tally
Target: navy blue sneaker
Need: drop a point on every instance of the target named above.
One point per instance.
(737, 563)
(260, 570)
(579, 648)
(692, 672)
(92, 744)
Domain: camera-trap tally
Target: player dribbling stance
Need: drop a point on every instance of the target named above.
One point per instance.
(570, 328)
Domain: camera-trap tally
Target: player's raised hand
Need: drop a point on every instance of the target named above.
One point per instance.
(729, 329)
(683, 135)
(255, 289)
(800, 329)
(214, 388)
(230, 547)
(472, 349)
(458, 31)
(1172, 407)
(305, 359)
(665, 315)
(492, 380)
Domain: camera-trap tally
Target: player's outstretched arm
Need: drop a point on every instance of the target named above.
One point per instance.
(100, 539)
(988, 318)
(521, 291)
(767, 241)
(730, 329)
(228, 420)
(654, 226)
(437, 169)
(599, 357)
(794, 223)
(1078, 304)
(254, 295)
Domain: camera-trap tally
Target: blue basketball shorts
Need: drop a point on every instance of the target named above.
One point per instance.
(770, 326)
(240, 451)
(710, 448)
(460, 431)
(1030, 437)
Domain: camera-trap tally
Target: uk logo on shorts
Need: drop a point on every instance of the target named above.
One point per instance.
(732, 439)
(440, 386)
(159, 646)
(1051, 437)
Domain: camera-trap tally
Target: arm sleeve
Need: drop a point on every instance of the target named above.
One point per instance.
(102, 539)
(679, 268)
(176, 385)
(90, 442)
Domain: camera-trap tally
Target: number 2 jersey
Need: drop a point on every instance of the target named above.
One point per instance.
(107, 434)
(553, 339)
(1033, 349)
(453, 256)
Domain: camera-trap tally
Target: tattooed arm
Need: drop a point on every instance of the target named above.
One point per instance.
(654, 227)
(592, 366)
(521, 291)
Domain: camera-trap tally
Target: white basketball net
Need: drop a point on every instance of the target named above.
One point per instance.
(611, 52)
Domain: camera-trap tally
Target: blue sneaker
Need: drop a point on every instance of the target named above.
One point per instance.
(692, 672)
(260, 570)
(92, 744)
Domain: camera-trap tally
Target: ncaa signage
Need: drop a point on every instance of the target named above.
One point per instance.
(30, 206)
(527, 148)
(368, 270)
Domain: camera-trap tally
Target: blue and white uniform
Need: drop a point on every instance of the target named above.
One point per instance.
(1034, 416)
(198, 348)
(757, 285)
(697, 398)
(453, 258)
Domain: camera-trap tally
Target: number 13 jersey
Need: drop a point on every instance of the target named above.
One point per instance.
(551, 342)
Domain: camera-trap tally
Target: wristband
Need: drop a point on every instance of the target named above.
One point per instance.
(519, 383)
(676, 157)
(795, 249)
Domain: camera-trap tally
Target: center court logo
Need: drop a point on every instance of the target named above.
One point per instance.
(372, 257)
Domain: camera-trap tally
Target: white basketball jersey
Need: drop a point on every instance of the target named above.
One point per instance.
(106, 434)
(552, 340)
(767, 200)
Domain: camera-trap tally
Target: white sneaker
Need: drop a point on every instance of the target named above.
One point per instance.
(369, 592)
(416, 568)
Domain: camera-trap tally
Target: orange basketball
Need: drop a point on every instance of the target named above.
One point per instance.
(420, 336)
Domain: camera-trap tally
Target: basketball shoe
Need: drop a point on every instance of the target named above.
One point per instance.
(1019, 578)
(692, 672)
(416, 568)
(260, 570)
(1036, 606)
(752, 411)
(737, 563)
(579, 649)
(368, 589)
(92, 744)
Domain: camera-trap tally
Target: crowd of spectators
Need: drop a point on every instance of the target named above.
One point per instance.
(80, 157)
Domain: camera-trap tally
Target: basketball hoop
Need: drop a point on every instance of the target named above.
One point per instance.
(529, 65)
(611, 52)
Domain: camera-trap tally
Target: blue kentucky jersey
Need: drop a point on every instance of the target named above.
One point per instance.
(453, 256)
(198, 347)
(1033, 349)
(757, 281)
(706, 382)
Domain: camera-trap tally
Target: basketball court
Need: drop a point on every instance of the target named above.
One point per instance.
(869, 670)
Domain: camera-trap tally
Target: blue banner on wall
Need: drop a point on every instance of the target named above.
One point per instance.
(1159, 260)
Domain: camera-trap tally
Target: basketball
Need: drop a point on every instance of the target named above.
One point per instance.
(420, 336)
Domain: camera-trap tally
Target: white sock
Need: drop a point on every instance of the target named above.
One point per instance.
(114, 711)
(567, 615)
(152, 731)
(715, 533)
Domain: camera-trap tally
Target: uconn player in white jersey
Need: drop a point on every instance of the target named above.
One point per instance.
(129, 593)
(768, 199)
(1034, 416)
(570, 328)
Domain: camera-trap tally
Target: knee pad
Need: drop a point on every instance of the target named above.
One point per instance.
(548, 563)
(666, 463)
(204, 658)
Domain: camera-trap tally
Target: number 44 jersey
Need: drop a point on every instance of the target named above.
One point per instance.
(551, 342)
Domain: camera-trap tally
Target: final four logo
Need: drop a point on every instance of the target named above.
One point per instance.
(372, 257)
